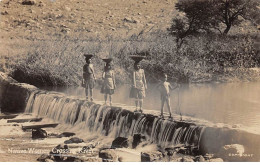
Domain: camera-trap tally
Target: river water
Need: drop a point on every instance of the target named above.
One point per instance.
(229, 103)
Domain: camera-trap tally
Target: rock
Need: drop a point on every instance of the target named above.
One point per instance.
(90, 159)
(4, 13)
(43, 158)
(231, 152)
(59, 16)
(88, 147)
(49, 160)
(129, 20)
(137, 139)
(182, 150)
(187, 159)
(67, 8)
(208, 156)
(28, 2)
(53, 135)
(58, 152)
(120, 159)
(71, 159)
(108, 155)
(65, 30)
(151, 156)
(92, 152)
(89, 150)
(216, 160)
(38, 133)
(63, 26)
(236, 126)
(174, 159)
(77, 160)
(41, 4)
(107, 160)
(199, 158)
(120, 142)
(170, 151)
(31, 11)
(74, 140)
(66, 134)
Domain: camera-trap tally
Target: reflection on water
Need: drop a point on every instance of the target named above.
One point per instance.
(232, 103)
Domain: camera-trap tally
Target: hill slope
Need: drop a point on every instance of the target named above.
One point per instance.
(80, 18)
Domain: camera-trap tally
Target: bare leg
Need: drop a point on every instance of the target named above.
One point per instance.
(86, 92)
(110, 99)
(105, 96)
(162, 105)
(91, 94)
(136, 104)
(141, 104)
(169, 106)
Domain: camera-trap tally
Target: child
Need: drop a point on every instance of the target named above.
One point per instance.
(109, 85)
(165, 88)
(89, 78)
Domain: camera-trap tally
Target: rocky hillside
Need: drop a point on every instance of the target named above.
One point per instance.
(42, 19)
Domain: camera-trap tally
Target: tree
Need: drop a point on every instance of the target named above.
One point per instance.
(194, 21)
(209, 15)
(228, 11)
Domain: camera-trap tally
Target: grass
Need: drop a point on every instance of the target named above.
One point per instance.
(59, 62)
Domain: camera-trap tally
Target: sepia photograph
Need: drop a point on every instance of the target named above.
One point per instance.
(130, 81)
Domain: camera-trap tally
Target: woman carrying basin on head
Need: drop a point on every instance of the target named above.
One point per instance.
(138, 83)
(89, 78)
(108, 86)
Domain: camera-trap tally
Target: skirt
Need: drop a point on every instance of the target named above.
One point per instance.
(137, 93)
(105, 90)
(89, 83)
(108, 87)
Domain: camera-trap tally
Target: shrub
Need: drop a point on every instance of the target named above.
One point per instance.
(202, 58)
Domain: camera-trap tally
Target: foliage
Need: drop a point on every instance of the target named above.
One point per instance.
(202, 58)
(211, 15)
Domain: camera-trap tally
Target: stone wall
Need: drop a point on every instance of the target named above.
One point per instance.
(13, 95)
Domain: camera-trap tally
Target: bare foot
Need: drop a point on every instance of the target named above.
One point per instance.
(161, 116)
(136, 110)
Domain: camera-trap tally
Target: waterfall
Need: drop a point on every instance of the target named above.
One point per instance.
(112, 121)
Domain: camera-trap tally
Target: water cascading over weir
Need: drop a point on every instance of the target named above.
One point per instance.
(119, 122)
(112, 121)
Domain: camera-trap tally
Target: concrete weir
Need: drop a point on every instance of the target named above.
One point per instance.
(200, 137)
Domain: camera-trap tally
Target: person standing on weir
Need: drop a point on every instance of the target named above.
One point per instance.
(164, 88)
(89, 78)
(138, 83)
(109, 84)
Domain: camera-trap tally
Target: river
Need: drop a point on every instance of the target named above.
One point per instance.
(229, 103)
